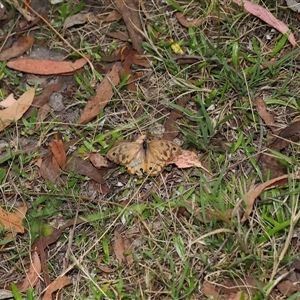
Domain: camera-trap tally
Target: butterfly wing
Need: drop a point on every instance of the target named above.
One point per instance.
(158, 153)
(138, 164)
(123, 153)
(148, 157)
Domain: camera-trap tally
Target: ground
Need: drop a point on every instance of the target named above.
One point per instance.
(218, 79)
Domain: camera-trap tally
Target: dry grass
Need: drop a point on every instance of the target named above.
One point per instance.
(179, 224)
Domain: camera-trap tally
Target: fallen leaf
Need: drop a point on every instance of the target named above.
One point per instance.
(114, 15)
(127, 54)
(128, 251)
(18, 48)
(270, 165)
(119, 247)
(33, 274)
(210, 291)
(17, 109)
(98, 160)
(131, 17)
(248, 284)
(50, 169)
(106, 269)
(104, 92)
(8, 101)
(171, 131)
(251, 196)
(12, 221)
(187, 23)
(293, 4)
(264, 114)
(187, 159)
(43, 112)
(267, 17)
(287, 288)
(288, 134)
(44, 241)
(238, 296)
(57, 284)
(120, 54)
(78, 19)
(59, 153)
(46, 67)
(84, 167)
(120, 35)
(41, 100)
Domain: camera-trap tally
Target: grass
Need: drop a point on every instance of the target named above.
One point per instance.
(181, 230)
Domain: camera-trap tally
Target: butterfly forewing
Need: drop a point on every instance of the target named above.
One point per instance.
(163, 150)
(158, 154)
(123, 153)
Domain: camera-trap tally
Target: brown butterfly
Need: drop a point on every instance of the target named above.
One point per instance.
(146, 157)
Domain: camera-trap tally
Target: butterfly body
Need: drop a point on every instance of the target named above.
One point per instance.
(146, 157)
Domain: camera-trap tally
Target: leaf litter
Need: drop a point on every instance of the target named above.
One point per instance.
(56, 160)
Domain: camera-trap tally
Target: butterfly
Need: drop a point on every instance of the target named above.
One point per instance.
(146, 157)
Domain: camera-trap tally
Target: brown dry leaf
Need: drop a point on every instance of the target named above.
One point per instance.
(128, 251)
(238, 296)
(43, 113)
(41, 100)
(18, 48)
(140, 60)
(171, 131)
(119, 247)
(33, 275)
(270, 165)
(44, 241)
(127, 54)
(248, 284)
(57, 284)
(130, 14)
(251, 196)
(50, 169)
(106, 269)
(78, 19)
(188, 23)
(16, 110)
(209, 290)
(59, 153)
(9, 101)
(287, 288)
(12, 221)
(290, 132)
(267, 17)
(98, 160)
(187, 159)
(104, 92)
(114, 15)
(264, 114)
(120, 35)
(46, 67)
(84, 167)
